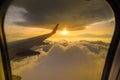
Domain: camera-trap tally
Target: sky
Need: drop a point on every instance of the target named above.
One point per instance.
(86, 19)
(80, 44)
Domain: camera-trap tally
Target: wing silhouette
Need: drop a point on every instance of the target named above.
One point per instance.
(21, 48)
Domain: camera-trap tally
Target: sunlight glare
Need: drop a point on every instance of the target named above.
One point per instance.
(64, 32)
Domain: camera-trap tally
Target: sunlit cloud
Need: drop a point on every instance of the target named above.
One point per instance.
(64, 60)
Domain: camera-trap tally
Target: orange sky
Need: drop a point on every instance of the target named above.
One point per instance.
(102, 30)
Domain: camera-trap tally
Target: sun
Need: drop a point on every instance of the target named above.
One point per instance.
(64, 32)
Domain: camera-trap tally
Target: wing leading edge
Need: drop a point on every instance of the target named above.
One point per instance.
(21, 48)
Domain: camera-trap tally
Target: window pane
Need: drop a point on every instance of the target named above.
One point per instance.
(58, 39)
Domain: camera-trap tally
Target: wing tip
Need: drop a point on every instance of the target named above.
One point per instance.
(55, 29)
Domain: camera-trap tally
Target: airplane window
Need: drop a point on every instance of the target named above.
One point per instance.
(58, 39)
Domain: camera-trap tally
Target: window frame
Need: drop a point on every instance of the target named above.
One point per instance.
(110, 54)
(4, 53)
(115, 40)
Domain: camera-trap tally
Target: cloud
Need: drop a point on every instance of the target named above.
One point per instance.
(77, 60)
(96, 36)
(14, 15)
(76, 14)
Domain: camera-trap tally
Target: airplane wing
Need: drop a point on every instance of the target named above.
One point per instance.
(55, 29)
(21, 48)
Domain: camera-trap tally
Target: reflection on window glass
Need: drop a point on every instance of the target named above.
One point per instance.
(58, 39)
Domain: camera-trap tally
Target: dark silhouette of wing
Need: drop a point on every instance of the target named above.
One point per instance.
(21, 48)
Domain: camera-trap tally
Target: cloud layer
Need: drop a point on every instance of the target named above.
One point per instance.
(76, 14)
(79, 60)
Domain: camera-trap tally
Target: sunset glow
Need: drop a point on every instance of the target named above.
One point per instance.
(64, 32)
